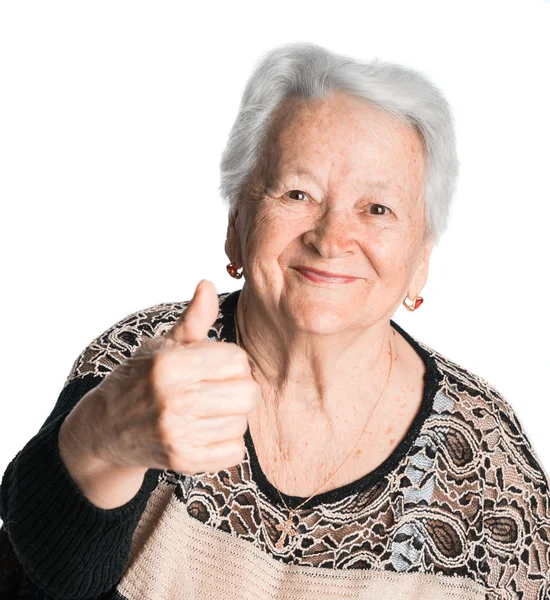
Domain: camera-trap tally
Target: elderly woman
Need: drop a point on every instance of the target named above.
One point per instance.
(320, 451)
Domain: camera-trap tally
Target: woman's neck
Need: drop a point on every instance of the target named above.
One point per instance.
(308, 373)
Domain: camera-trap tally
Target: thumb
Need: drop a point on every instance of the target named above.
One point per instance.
(199, 316)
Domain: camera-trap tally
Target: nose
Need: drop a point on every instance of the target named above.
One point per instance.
(333, 233)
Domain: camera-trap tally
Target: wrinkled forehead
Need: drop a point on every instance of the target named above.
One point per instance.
(357, 135)
(296, 113)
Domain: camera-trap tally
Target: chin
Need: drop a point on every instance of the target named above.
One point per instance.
(319, 316)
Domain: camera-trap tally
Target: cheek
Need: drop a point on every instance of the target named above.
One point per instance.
(404, 260)
(269, 234)
(390, 257)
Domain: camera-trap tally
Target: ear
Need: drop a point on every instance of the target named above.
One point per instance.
(421, 275)
(232, 240)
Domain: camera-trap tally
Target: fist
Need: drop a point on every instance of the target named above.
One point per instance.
(179, 402)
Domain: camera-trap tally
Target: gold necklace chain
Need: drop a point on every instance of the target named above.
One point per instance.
(287, 527)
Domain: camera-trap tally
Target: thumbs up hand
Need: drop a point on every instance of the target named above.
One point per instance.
(201, 313)
(180, 402)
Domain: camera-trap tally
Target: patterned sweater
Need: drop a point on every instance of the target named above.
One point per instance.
(460, 509)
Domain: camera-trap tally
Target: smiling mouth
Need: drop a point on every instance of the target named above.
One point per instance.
(315, 277)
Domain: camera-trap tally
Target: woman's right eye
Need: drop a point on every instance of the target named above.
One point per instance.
(297, 192)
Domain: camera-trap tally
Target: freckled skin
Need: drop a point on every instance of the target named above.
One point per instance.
(328, 344)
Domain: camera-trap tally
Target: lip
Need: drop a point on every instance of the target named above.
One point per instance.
(324, 276)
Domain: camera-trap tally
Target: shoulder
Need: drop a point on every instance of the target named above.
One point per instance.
(466, 387)
(488, 444)
(469, 387)
(486, 413)
(120, 340)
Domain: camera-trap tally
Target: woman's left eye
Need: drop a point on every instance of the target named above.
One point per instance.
(299, 192)
(379, 206)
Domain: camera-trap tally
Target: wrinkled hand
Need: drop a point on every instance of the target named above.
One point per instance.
(179, 402)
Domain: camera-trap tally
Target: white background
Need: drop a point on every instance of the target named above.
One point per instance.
(113, 117)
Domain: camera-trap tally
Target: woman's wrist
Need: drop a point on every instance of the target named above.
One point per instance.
(105, 485)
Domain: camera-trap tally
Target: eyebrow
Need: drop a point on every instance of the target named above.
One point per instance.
(377, 185)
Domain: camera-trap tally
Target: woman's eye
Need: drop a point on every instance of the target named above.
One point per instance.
(379, 209)
(299, 193)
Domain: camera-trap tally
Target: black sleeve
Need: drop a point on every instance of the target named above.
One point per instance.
(67, 546)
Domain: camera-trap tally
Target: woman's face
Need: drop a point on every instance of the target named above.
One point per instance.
(344, 197)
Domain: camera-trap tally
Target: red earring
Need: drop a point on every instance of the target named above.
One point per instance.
(415, 303)
(232, 270)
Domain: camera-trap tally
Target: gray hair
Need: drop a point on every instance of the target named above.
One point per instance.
(306, 70)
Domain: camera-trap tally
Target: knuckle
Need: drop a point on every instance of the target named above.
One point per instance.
(252, 386)
(254, 394)
(183, 458)
(240, 449)
(243, 427)
(178, 463)
(241, 359)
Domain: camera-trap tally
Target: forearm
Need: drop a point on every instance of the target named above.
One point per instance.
(67, 545)
(104, 485)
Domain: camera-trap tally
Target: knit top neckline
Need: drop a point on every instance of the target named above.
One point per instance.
(432, 379)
